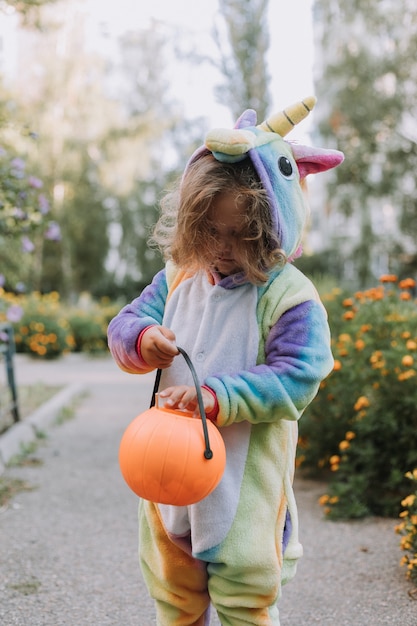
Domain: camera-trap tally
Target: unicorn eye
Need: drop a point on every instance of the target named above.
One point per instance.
(285, 167)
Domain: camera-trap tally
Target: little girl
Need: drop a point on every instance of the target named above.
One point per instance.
(258, 337)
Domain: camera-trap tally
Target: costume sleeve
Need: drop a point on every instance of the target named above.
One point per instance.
(125, 328)
(297, 358)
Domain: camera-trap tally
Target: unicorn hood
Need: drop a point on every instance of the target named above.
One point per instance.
(280, 165)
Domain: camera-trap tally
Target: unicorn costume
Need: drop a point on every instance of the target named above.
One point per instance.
(263, 350)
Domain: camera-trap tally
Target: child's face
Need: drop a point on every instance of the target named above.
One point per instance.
(227, 217)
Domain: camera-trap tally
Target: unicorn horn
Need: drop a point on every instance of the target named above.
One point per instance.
(284, 121)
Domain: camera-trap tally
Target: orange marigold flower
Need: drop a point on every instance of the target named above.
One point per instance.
(359, 344)
(323, 499)
(408, 501)
(350, 435)
(388, 278)
(411, 345)
(406, 375)
(347, 302)
(337, 365)
(406, 334)
(334, 460)
(345, 337)
(344, 445)
(365, 328)
(349, 315)
(377, 360)
(407, 283)
(302, 442)
(405, 543)
(299, 461)
(361, 403)
(405, 295)
(407, 360)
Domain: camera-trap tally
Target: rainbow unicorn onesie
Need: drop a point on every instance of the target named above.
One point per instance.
(263, 350)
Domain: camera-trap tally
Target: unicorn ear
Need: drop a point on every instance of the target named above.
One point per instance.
(314, 160)
(248, 118)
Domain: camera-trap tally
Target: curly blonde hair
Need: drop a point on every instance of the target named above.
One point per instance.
(184, 232)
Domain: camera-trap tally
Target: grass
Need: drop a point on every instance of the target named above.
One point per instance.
(30, 398)
(27, 587)
(9, 487)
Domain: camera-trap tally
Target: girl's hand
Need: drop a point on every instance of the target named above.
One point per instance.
(183, 397)
(157, 347)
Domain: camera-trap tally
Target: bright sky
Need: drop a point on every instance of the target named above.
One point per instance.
(290, 58)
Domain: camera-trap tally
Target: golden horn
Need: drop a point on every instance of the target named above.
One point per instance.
(285, 120)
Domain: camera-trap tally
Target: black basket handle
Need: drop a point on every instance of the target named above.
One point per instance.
(208, 453)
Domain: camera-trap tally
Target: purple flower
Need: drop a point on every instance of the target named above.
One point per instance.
(34, 182)
(4, 337)
(20, 287)
(18, 163)
(14, 313)
(43, 204)
(53, 232)
(27, 244)
(19, 214)
(2, 280)
(17, 173)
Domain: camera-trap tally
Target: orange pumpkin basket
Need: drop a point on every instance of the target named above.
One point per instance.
(169, 457)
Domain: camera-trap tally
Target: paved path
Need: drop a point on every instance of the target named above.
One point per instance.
(68, 547)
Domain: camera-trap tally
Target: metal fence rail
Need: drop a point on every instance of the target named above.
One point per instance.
(8, 392)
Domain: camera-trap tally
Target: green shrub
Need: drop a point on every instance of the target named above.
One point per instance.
(89, 321)
(361, 429)
(46, 327)
(408, 529)
(89, 331)
(43, 330)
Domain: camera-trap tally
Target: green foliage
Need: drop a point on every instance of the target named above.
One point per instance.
(89, 323)
(88, 330)
(369, 80)
(46, 327)
(24, 210)
(408, 529)
(22, 204)
(361, 429)
(43, 330)
(77, 264)
(244, 67)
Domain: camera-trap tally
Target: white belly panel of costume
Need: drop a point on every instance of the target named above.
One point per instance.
(218, 329)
